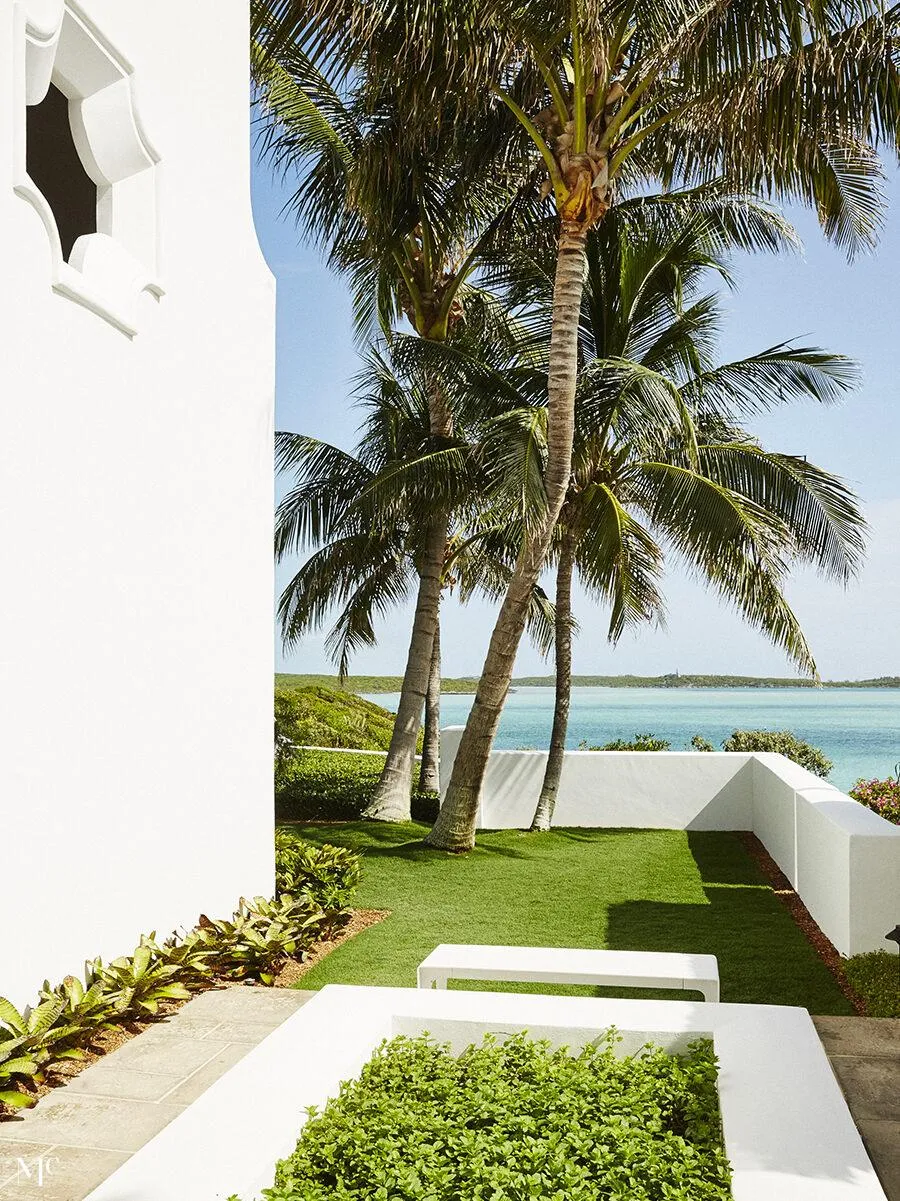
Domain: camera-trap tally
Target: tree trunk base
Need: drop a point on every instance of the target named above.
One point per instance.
(388, 809)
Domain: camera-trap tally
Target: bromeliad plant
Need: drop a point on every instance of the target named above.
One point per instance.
(139, 983)
(254, 944)
(329, 875)
(29, 1042)
(262, 935)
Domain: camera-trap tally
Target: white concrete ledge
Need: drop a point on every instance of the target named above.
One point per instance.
(570, 965)
(843, 859)
(788, 1132)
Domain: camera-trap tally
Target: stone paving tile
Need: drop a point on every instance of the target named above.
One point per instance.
(865, 1056)
(197, 1083)
(107, 1123)
(182, 1027)
(78, 1135)
(870, 1086)
(882, 1141)
(859, 1036)
(246, 1032)
(112, 1081)
(12, 1154)
(245, 1003)
(62, 1174)
(164, 1056)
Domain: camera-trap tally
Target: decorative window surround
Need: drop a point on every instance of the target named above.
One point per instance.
(108, 271)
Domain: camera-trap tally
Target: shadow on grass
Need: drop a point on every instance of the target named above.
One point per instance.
(763, 958)
(723, 860)
(418, 852)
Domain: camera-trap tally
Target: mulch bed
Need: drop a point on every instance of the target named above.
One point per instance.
(823, 947)
(361, 920)
(109, 1040)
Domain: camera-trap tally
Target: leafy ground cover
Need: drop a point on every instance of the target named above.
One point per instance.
(630, 889)
(515, 1120)
(876, 977)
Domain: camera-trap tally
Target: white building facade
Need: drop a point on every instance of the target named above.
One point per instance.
(136, 403)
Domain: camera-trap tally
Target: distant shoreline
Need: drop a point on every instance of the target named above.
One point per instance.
(468, 685)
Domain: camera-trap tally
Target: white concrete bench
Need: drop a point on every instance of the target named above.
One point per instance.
(571, 965)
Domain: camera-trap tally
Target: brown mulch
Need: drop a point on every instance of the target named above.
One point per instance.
(784, 890)
(104, 1041)
(360, 920)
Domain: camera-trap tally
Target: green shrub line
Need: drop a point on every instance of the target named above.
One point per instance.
(323, 786)
(515, 1119)
(314, 887)
(781, 742)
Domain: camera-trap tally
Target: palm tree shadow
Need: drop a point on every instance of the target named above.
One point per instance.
(764, 958)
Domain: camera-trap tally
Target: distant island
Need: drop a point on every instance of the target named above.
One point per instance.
(373, 684)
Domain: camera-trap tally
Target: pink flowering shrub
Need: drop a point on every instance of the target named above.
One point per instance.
(881, 795)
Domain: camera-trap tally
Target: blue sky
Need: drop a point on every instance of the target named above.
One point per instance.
(817, 298)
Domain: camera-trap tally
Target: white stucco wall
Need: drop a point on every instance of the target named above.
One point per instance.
(670, 790)
(135, 506)
(843, 859)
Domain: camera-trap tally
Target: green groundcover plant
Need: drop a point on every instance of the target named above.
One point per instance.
(874, 975)
(515, 1120)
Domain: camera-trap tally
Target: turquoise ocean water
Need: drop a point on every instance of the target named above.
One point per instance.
(859, 729)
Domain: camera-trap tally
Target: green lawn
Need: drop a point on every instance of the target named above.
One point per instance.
(629, 889)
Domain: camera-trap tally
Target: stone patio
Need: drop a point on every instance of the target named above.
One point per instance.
(865, 1056)
(78, 1135)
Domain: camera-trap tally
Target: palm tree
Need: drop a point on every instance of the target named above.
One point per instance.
(656, 421)
(641, 306)
(407, 231)
(790, 100)
(362, 515)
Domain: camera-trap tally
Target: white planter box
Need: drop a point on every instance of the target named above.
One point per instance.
(788, 1132)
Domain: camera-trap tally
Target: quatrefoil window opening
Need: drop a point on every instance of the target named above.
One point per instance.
(55, 166)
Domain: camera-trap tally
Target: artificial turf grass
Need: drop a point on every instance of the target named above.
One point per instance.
(655, 890)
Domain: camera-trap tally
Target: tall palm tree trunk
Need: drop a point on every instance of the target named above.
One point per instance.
(391, 799)
(543, 814)
(454, 829)
(429, 771)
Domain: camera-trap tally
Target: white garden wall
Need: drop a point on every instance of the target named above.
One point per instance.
(843, 859)
(136, 391)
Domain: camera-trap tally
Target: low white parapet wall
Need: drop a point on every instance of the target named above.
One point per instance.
(843, 859)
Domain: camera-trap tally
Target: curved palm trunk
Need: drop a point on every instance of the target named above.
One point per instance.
(391, 799)
(454, 829)
(429, 771)
(543, 814)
